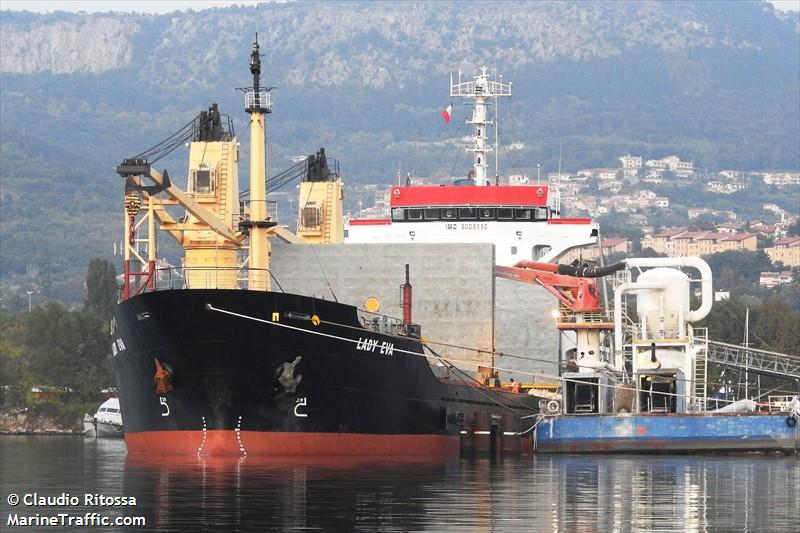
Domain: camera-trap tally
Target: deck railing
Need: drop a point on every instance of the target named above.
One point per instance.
(178, 278)
(261, 100)
(175, 278)
(381, 323)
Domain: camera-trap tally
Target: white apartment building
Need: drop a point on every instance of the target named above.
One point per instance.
(630, 161)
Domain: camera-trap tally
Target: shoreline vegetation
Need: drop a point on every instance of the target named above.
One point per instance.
(55, 362)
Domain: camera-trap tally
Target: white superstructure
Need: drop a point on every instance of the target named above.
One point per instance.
(523, 220)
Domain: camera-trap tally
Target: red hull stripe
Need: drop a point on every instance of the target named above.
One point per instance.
(370, 222)
(262, 443)
(453, 195)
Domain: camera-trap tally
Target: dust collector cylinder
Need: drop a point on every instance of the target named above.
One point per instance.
(662, 308)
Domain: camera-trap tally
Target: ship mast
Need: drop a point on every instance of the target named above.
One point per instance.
(258, 103)
(480, 91)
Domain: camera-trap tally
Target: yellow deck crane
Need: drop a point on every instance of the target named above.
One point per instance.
(219, 223)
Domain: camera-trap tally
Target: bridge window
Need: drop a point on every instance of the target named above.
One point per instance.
(431, 213)
(486, 213)
(449, 213)
(310, 217)
(505, 213)
(398, 213)
(540, 213)
(522, 214)
(202, 181)
(468, 213)
(414, 214)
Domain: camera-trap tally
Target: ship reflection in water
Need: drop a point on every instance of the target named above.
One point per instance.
(544, 493)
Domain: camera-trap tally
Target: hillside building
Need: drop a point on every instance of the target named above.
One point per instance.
(786, 251)
(630, 165)
(683, 243)
(730, 227)
(781, 179)
(630, 161)
(773, 279)
(725, 187)
(730, 175)
(672, 163)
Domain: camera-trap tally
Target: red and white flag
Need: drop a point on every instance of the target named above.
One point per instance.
(447, 114)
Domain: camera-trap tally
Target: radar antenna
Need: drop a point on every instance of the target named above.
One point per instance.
(481, 90)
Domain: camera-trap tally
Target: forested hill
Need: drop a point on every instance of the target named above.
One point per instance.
(715, 82)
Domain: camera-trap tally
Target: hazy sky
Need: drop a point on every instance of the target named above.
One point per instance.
(166, 6)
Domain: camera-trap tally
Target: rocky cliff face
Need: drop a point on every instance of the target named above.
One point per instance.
(375, 45)
(74, 45)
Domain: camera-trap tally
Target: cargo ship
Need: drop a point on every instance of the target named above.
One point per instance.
(211, 360)
(522, 218)
(637, 378)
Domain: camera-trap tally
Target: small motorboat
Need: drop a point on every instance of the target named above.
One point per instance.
(106, 422)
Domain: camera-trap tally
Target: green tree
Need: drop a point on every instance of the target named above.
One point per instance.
(101, 287)
(790, 292)
(13, 374)
(68, 348)
(778, 327)
(702, 224)
(726, 321)
(744, 267)
(774, 325)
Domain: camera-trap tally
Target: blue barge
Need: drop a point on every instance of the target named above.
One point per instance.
(672, 433)
(637, 381)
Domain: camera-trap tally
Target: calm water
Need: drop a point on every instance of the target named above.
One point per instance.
(541, 493)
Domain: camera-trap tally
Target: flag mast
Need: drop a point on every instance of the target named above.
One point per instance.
(481, 90)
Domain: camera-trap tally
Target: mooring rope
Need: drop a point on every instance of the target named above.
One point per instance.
(441, 358)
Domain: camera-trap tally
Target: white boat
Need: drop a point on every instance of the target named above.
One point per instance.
(106, 422)
(522, 219)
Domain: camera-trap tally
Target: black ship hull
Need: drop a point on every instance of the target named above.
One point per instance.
(267, 373)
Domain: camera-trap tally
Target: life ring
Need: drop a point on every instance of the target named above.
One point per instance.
(552, 406)
(791, 421)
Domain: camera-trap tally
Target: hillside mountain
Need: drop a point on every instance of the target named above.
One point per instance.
(716, 82)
